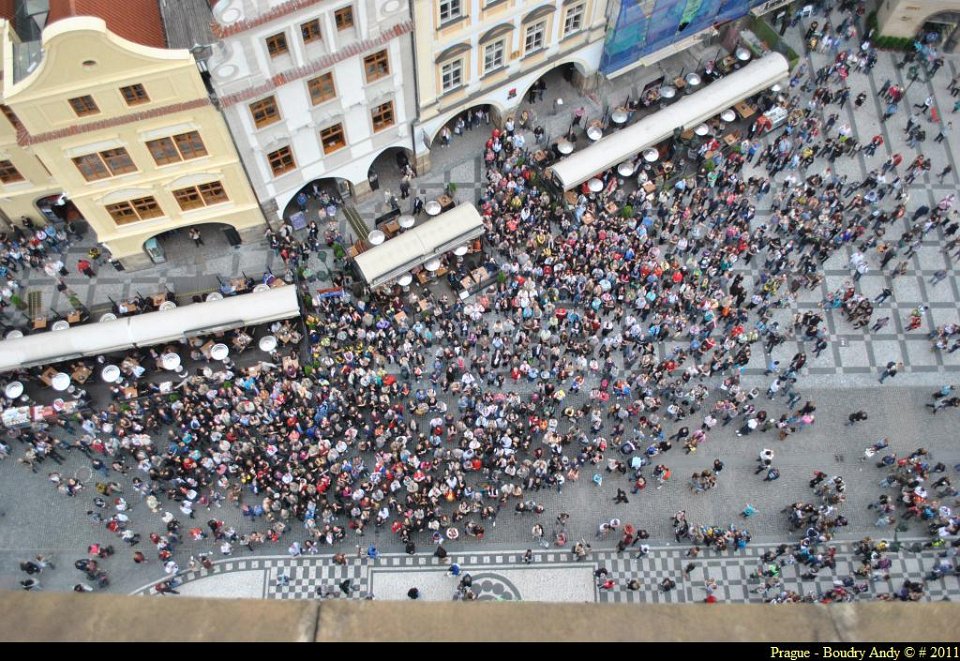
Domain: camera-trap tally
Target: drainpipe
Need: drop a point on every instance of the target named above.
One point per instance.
(416, 83)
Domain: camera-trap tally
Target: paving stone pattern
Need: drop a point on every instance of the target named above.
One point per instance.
(842, 379)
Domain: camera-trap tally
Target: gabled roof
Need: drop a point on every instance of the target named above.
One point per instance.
(135, 20)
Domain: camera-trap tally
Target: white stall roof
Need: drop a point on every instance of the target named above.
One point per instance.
(150, 328)
(686, 113)
(415, 246)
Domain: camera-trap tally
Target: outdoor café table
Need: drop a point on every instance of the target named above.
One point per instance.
(47, 376)
(81, 374)
(743, 109)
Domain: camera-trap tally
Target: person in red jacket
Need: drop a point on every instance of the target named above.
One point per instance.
(85, 268)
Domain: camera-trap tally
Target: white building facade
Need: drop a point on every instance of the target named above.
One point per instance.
(490, 52)
(314, 90)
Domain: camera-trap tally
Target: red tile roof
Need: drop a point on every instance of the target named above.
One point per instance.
(7, 9)
(135, 20)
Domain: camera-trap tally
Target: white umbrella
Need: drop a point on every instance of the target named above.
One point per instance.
(267, 343)
(219, 351)
(432, 208)
(109, 316)
(60, 324)
(110, 374)
(618, 116)
(692, 79)
(376, 237)
(728, 115)
(626, 168)
(14, 334)
(170, 361)
(702, 130)
(594, 133)
(651, 155)
(595, 185)
(261, 287)
(60, 381)
(777, 88)
(406, 221)
(214, 296)
(668, 91)
(742, 54)
(167, 305)
(564, 147)
(432, 264)
(405, 280)
(13, 390)
(459, 251)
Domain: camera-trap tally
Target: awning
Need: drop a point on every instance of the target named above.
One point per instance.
(688, 112)
(405, 251)
(149, 328)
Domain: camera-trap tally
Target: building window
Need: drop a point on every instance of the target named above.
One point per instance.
(84, 105)
(376, 66)
(310, 31)
(204, 195)
(212, 193)
(383, 116)
(343, 18)
(451, 75)
(449, 10)
(265, 112)
(122, 213)
(321, 88)
(118, 161)
(108, 163)
(574, 20)
(134, 94)
(11, 117)
(190, 145)
(91, 167)
(332, 138)
(9, 173)
(142, 208)
(281, 161)
(180, 147)
(493, 56)
(534, 39)
(188, 198)
(277, 44)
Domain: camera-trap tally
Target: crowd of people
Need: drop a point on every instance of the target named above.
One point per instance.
(427, 428)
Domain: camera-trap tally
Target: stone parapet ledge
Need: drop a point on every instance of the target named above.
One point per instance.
(69, 617)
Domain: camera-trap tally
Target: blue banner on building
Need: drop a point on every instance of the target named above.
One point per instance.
(645, 26)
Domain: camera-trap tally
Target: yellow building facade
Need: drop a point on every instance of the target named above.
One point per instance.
(904, 18)
(129, 133)
(25, 184)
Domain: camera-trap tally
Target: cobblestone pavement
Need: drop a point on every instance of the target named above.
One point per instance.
(843, 379)
(503, 575)
(35, 519)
